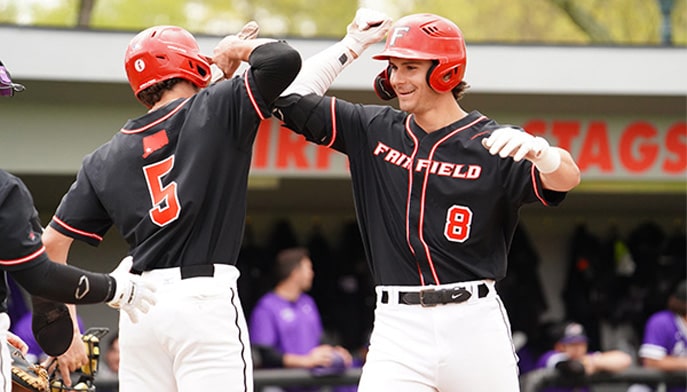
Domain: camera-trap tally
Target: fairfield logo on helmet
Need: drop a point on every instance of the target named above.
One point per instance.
(139, 65)
(398, 33)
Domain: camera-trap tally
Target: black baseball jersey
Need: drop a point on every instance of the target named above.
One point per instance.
(173, 181)
(23, 255)
(433, 208)
(20, 230)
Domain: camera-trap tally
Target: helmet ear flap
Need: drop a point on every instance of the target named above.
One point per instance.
(382, 85)
(444, 77)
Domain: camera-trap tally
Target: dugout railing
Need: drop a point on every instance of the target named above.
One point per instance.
(533, 381)
(537, 380)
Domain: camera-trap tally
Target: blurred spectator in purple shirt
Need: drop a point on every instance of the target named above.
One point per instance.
(664, 346)
(570, 356)
(285, 325)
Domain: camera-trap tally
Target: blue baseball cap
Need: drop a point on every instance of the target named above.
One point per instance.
(573, 333)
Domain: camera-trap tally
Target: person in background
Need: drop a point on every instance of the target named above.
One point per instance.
(664, 346)
(285, 325)
(570, 356)
(108, 368)
(23, 256)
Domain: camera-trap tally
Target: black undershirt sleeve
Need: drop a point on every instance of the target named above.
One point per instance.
(65, 283)
(274, 66)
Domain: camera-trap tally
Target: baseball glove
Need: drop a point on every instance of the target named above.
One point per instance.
(26, 376)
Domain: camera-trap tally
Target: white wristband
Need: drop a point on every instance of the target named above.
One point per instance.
(549, 161)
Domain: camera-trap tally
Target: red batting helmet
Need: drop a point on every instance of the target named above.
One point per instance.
(429, 37)
(164, 52)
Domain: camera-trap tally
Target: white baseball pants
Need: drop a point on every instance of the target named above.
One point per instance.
(455, 347)
(194, 339)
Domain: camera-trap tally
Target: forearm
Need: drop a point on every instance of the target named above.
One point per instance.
(65, 283)
(57, 245)
(320, 71)
(565, 177)
(609, 361)
(296, 361)
(667, 364)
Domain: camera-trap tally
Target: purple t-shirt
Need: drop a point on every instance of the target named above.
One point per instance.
(549, 360)
(290, 327)
(665, 334)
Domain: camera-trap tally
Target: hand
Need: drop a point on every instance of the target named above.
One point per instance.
(322, 355)
(132, 294)
(224, 57)
(17, 342)
(367, 28)
(519, 144)
(345, 354)
(73, 359)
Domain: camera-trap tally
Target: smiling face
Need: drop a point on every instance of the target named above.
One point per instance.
(409, 80)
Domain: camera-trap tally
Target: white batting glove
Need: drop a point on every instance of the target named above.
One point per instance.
(132, 293)
(519, 144)
(367, 28)
(223, 68)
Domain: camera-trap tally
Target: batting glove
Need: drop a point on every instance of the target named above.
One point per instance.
(367, 28)
(132, 294)
(519, 144)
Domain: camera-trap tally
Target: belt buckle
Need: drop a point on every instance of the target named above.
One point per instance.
(422, 298)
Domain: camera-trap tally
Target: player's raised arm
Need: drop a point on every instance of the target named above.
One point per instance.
(274, 64)
(319, 71)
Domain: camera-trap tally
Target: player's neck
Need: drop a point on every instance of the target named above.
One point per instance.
(180, 90)
(288, 291)
(444, 113)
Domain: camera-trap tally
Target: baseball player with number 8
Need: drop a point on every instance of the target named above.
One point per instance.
(437, 194)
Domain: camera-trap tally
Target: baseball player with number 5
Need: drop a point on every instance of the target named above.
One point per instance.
(173, 181)
(437, 193)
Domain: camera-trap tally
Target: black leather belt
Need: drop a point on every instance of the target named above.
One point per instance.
(432, 297)
(194, 271)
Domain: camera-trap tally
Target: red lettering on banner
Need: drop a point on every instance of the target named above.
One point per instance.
(629, 148)
(596, 150)
(261, 150)
(535, 127)
(675, 143)
(648, 151)
(565, 132)
(291, 147)
(322, 157)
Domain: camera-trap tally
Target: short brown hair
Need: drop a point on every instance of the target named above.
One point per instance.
(288, 260)
(153, 94)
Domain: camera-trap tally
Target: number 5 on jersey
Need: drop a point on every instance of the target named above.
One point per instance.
(166, 206)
